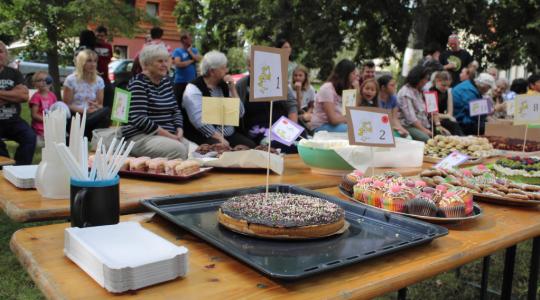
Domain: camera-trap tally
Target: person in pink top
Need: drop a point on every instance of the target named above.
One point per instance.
(41, 101)
(327, 113)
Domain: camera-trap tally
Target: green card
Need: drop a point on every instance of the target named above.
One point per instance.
(122, 102)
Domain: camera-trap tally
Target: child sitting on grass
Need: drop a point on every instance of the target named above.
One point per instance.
(41, 101)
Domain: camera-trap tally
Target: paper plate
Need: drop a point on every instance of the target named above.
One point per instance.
(477, 212)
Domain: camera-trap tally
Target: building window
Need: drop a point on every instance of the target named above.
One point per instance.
(152, 9)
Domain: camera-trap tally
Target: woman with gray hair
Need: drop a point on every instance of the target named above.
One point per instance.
(214, 82)
(499, 95)
(155, 120)
(466, 92)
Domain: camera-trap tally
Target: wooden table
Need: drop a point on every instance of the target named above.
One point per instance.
(28, 205)
(6, 161)
(213, 274)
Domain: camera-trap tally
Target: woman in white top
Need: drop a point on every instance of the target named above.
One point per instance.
(84, 90)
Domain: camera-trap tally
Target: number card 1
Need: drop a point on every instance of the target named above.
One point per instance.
(348, 98)
(121, 104)
(268, 80)
(527, 110)
(369, 126)
(432, 102)
(478, 107)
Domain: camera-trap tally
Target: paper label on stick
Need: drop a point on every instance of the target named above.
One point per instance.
(268, 71)
(221, 111)
(369, 126)
(286, 131)
(121, 105)
(527, 110)
(348, 99)
(432, 102)
(453, 160)
(478, 107)
(510, 107)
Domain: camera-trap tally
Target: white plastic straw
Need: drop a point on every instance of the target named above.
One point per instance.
(120, 163)
(107, 161)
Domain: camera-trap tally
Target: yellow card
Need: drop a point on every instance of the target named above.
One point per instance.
(527, 110)
(348, 99)
(221, 111)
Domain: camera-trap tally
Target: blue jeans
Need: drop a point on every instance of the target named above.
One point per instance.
(19, 131)
(332, 128)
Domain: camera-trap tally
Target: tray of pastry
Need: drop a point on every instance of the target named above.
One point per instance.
(485, 185)
(369, 232)
(437, 219)
(476, 148)
(162, 168)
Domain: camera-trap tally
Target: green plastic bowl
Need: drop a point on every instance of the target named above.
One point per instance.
(323, 158)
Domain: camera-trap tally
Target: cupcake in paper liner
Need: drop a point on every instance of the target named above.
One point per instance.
(369, 192)
(421, 206)
(395, 198)
(452, 206)
(467, 198)
(350, 180)
(360, 188)
(375, 193)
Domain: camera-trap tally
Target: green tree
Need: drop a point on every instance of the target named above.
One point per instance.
(504, 32)
(50, 26)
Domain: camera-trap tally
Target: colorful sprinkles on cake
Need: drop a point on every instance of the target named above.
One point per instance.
(282, 210)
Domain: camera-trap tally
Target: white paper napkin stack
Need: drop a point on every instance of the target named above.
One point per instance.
(21, 176)
(124, 256)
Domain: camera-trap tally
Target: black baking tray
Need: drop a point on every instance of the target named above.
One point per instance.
(371, 233)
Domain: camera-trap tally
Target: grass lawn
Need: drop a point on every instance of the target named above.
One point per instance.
(16, 284)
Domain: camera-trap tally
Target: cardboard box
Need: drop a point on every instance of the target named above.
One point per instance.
(503, 128)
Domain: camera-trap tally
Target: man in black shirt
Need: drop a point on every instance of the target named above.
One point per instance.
(455, 59)
(12, 94)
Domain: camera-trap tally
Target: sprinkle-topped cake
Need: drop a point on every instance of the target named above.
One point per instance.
(281, 215)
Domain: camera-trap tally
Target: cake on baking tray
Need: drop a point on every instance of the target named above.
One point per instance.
(281, 215)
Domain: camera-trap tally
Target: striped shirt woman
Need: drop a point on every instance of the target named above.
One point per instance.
(155, 120)
(152, 106)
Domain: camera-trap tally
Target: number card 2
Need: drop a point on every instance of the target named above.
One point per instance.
(121, 104)
(369, 126)
(268, 79)
(348, 98)
(527, 110)
(478, 107)
(432, 102)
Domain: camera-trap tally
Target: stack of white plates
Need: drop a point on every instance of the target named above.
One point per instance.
(21, 176)
(124, 256)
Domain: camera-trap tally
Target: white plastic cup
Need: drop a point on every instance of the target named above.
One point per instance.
(52, 177)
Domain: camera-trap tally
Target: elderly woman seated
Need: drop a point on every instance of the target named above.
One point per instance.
(214, 82)
(155, 120)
